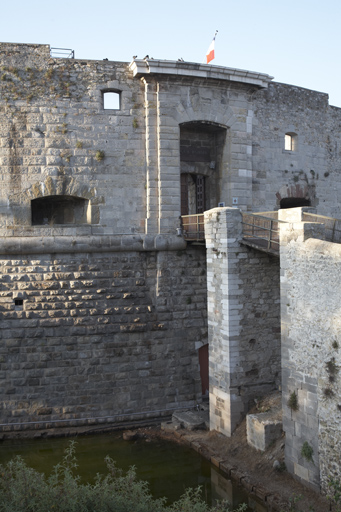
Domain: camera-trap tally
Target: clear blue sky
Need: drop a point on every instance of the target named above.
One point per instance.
(296, 41)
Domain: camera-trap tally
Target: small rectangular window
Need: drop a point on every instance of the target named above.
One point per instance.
(288, 142)
(111, 100)
(18, 302)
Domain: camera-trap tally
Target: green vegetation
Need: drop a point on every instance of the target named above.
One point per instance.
(328, 392)
(22, 489)
(99, 155)
(293, 401)
(335, 496)
(293, 504)
(49, 74)
(332, 369)
(307, 451)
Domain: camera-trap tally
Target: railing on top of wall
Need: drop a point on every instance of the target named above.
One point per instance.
(65, 53)
(261, 231)
(332, 226)
(193, 227)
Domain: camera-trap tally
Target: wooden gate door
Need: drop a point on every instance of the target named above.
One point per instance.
(200, 186)
(184, 194)
(204, 375)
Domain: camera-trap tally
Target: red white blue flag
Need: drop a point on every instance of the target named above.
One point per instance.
(210, 51)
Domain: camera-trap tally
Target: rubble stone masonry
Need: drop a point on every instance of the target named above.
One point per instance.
(311, 328)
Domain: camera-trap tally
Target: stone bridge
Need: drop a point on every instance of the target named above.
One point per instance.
(274, 323)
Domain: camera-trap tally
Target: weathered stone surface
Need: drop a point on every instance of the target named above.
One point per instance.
(191, 420)
(310, 296)
(84, 356)
(103, 304)
(243, 321)
(262, 430)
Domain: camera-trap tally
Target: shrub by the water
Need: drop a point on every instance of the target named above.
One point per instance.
(23, 489)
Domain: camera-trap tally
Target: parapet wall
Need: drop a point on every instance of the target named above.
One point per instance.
(311, 340)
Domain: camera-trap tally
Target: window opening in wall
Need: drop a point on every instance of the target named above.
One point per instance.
(111, 100)
(294, 202)
(290, 142)
(18, 302)
(52, 210)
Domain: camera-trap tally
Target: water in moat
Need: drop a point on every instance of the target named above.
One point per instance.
(169, 468)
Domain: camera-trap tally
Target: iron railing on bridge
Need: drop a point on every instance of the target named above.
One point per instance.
(332, 226)
(193, 227)
(261, 231)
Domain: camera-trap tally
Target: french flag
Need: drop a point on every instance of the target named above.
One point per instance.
(210, 51)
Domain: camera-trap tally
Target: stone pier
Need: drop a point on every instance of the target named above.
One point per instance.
(243, 320)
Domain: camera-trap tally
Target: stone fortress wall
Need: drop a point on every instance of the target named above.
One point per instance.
(101, 319)
(92, 341)
(103, 303)
(310, 302)
(312, 169)
(248, 345)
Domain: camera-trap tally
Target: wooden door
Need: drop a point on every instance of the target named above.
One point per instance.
(200, 189)
(184, 194)
(204, 373)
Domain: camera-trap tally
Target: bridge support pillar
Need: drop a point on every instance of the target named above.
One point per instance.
(243, 320)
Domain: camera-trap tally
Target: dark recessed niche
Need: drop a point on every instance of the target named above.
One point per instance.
(52, 210)
(294, 202)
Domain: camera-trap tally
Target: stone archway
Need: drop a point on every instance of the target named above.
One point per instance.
(69, 195)
(293, 196)
(201, 156)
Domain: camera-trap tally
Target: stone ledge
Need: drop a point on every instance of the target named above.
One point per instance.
(90, 244)
(141, 67)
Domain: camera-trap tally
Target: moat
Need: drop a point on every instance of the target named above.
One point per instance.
(169, 468)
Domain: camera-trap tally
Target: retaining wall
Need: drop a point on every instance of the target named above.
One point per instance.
(311, 330)
(90, 337)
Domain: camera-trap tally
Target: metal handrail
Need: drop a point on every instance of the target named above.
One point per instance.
(331, 224)
(262, 232)
(66, 53)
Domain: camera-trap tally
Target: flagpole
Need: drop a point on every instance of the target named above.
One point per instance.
(210, 49)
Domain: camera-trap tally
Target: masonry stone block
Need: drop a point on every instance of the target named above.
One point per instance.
(262, 430)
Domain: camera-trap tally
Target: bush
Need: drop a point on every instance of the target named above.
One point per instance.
(23, 489)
